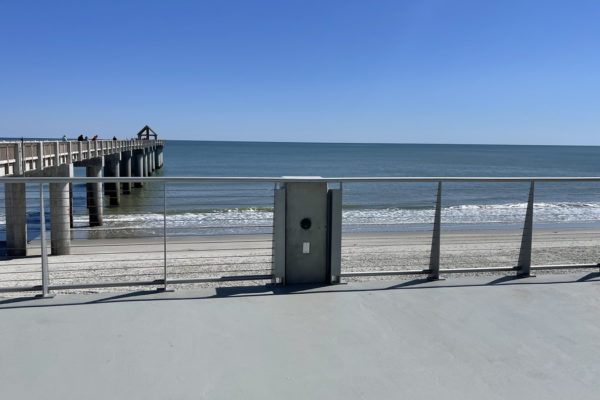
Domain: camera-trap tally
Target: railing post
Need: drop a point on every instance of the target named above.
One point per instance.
(20, 158)
(335, 234)
(44, 250)
(434, 259)
(40, 156)
(165, 288)
(57, 154)
(524, 265)
(279, 235)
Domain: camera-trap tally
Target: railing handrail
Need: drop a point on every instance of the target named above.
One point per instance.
(283, 179)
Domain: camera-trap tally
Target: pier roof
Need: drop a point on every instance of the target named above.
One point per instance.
(462, 338)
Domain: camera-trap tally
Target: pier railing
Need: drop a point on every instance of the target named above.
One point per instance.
(17, 156)
(178, 231)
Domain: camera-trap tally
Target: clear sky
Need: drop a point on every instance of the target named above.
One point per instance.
(522, 72)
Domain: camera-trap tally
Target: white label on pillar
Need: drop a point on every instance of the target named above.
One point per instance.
(306, 247)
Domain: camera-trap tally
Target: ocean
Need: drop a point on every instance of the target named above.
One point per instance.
(217, 208)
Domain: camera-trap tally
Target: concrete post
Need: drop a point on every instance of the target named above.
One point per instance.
(94, 192)
(40, 156)
(112, 168)
(157, 154)
(146, 164)
(125, 170)
(70, 150)
(151, 159)
(60, 237)
(20, 167)
(56, 154)
(16, 219)
(139, 166)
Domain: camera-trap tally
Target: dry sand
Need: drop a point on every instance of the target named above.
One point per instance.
(122, 260)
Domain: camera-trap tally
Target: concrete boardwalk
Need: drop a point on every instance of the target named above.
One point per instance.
(462, 338)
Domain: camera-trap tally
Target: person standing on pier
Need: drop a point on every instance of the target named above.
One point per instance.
(64, 138)
(95, 137)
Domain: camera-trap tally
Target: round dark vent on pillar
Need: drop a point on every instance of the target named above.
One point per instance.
(305, 223)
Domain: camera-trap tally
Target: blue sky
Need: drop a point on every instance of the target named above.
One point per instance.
(515, 72)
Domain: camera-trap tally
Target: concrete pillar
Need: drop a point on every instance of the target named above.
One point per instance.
(157, 153)
(16, 219)
(112, 168)
(152, 165)
(94, 192)
(146, 164)
(126, 170)
(60, 236)
(139, 166)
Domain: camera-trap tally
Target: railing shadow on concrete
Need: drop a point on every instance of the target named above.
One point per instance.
(255, 210)
(236, 292)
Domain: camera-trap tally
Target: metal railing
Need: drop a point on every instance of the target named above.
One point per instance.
(180, 231)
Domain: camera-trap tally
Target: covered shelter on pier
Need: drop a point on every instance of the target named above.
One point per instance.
(146, 133)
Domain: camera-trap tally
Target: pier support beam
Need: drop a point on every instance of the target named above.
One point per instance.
(93, 169)
(126, 170)
(112, 168)
(60, 211)
(139, 166)
(16, 219)
(158, 157)
(146, 164)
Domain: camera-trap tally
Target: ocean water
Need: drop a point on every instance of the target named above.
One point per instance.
(218, 208)
(381, 206)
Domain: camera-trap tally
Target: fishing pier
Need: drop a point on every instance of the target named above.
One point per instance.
(50, 159)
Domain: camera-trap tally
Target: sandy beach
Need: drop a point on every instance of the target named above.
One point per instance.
(135, 259)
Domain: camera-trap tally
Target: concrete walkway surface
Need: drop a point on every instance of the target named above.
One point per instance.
(460, 338)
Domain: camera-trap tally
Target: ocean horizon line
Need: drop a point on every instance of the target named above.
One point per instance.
(9, 138)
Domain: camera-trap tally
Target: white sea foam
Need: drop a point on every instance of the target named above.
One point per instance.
(252, 219)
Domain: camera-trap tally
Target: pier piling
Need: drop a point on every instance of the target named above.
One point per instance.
(112, 168)
(60, 238)
(139, 166)
(94, 192)
(125, 170)
(16, 219)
